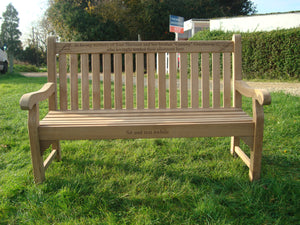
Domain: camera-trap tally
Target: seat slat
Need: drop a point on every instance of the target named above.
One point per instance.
(121, 125)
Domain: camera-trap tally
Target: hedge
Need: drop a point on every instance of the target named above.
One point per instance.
(270, 55)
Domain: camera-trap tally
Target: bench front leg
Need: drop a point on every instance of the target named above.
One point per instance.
(36, 154)
(256, 150)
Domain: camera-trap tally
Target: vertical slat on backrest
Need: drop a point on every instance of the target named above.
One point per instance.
(161, 81)
(96, 80)
(205, 79)
(63, 82)
(226, 80)
(194, 80)
(140, 80)
(106, 81)
(129, 80)
(118, 80)
(173, 80)
(51, 64)
(183, 81)
(237, 68)
(151, 80)
(216, 79)
(74, 81)
(85, 81)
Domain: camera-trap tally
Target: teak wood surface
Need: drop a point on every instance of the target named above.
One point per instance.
(124, 90)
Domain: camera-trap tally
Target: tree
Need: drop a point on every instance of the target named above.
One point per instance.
(10, 33)
(125, 19)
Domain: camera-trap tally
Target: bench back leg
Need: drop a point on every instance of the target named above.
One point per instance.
(256, 151)
(235, 142)
(56, 146)
(36, 155)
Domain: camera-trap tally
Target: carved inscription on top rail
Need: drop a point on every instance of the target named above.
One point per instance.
(144, 46)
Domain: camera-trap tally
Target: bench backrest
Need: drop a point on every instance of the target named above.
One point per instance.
(138, 72)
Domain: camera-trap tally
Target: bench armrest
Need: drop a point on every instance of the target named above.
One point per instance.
(28, 100)
(261, 95)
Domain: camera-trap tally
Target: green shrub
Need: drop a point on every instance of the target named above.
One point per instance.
(25, 68)
(271, 55)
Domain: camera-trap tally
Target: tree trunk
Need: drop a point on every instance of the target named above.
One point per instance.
(11, 62)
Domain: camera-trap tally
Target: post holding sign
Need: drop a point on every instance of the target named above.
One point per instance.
(176, 24)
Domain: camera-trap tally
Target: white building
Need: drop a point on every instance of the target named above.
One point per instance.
(266, 22)
(192, 26)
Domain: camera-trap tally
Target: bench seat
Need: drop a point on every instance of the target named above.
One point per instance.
(108, 124)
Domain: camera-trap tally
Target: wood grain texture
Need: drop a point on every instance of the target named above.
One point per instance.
(161, 80)
(216, 80)
(96, 81)
(143, 46)
(237, 68)
(51, 66)
(183, 81)
(85, 99)
(173, 80)
(74, 81)
(151, 80)
(205, 79)
(140, 98)
(227, 80)
(129, 80)
(63, 95)
(118, 81)
(107, 81)
(194, 80)
(121, 124)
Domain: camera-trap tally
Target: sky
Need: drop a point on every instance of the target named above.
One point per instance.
(30, 11)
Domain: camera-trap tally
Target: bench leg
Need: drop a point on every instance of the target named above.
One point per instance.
(235, 142)
(56, 146)
(256, 151)
(36, 155)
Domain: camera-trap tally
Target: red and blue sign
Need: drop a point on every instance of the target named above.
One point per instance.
(176, 24)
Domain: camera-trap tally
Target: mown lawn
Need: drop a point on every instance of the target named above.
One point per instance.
(149, 181)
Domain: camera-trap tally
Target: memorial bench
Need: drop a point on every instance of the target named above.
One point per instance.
(162, 105)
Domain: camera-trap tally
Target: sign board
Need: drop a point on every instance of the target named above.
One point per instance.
(176, 24)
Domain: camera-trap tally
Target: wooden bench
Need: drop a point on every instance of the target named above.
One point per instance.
(151, 106)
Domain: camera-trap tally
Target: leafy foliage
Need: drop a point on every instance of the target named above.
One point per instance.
(272, 55)
(124, 20)
(33, 55)
(10, 33)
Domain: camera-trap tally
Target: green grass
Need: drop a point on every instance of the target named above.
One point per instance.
(148, 181)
